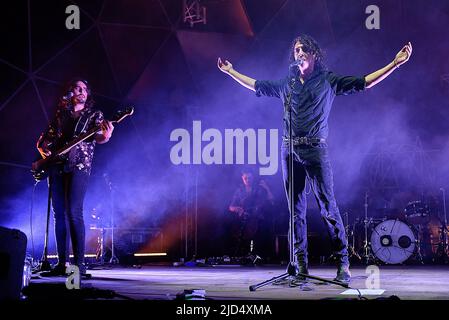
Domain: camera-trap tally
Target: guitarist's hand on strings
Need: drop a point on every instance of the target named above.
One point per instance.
(106, 132)
(239, 210)
(37, 174)
(44, 152)
(107, 127)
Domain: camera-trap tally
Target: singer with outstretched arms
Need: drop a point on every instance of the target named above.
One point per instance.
(68, 179)
(309, 89)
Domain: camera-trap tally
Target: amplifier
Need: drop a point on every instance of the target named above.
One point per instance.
(13, 245)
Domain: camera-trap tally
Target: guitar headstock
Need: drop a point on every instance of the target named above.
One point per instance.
(122, 114)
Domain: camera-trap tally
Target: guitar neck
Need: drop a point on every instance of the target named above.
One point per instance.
(78, 140)
(41, 165)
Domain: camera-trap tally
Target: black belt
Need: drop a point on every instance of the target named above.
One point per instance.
(297, 141)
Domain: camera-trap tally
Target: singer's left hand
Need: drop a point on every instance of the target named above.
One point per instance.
(404, 55)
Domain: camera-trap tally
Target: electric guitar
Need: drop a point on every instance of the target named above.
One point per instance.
(40, 167)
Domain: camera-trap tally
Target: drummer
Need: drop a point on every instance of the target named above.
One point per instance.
(389, 205)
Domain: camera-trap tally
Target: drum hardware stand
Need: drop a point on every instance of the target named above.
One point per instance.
(100, 249)
(291, 270)
(113, 260)
(350, 234)
(443, 244)
(44, 264)
(251, 255)
(418, 245)
(367, 252)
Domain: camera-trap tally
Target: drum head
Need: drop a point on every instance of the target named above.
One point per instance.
(392, 241)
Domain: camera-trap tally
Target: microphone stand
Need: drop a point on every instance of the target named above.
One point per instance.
(367, 253)
(443, 245)
(351, 238)
(291, 270)
(44, 264)
(114, 259)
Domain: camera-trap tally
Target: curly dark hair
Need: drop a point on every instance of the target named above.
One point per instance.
(310, 46)
(71, 84)
(248, 170)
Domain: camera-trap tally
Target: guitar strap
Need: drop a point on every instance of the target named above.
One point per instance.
(83, 122)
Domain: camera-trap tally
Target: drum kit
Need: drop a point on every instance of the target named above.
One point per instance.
(414, 234)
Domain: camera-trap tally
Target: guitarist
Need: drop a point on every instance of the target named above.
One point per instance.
(250, 208)
(68, 179)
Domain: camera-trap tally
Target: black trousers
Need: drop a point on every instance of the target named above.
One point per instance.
(68, 192)
(311, 164)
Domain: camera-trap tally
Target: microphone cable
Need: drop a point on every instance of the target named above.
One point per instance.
(31, 221)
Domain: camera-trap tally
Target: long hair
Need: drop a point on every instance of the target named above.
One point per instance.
(310, 46)
(69, 87)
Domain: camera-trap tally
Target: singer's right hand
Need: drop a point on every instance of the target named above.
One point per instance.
(225, 66)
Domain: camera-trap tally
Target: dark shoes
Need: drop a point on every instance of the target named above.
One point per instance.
(296, 276)
(83, 272)
(57, 271)
(300, 280)
(343, 273)
(301, 270)
(85, 275)
(61, 271)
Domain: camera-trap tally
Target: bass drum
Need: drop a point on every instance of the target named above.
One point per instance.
(393, 241)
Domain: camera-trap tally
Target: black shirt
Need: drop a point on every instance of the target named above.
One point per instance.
(68, 128)
(312, 101)
(255, 202)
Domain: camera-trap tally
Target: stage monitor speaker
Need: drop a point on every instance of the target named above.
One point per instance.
(13, 245)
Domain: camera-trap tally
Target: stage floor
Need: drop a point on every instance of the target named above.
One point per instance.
(232, 282)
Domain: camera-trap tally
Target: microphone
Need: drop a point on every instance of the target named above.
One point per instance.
(296, 64)
(66, 100)
(68, 96)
